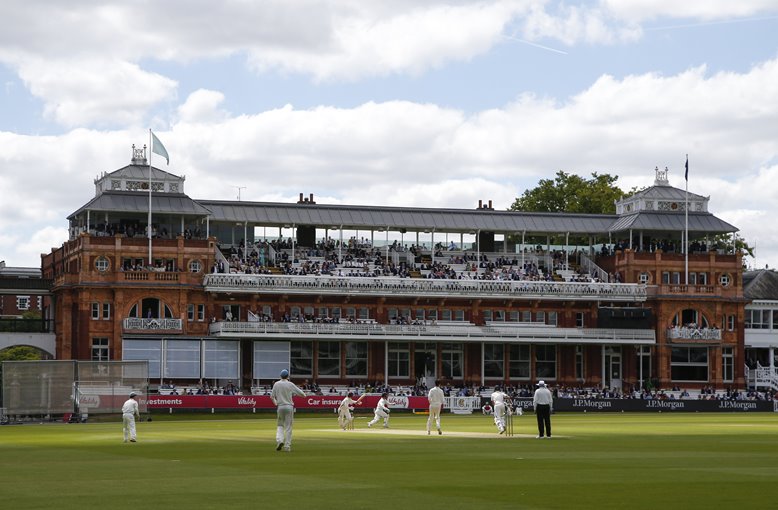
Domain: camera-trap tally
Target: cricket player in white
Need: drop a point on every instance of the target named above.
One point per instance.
(281, 395)
(498, 404)
(381, 411)
(129, 412)
(436, 398)
(344, 411)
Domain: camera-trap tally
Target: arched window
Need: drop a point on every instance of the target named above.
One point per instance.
(151, 308)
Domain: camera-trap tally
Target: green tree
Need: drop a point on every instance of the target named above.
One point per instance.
(572, 194)
(20, 353)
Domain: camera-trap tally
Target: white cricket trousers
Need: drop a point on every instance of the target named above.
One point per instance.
(434, 416)
(128, 425)
(285, 415)
(499, 416)
(379, 414)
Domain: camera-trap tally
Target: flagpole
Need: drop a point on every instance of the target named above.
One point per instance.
(686, 214)
(148, 227)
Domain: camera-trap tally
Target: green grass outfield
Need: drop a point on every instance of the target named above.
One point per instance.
(596, 460)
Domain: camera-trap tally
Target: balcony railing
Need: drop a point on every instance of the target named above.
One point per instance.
(136, 324)
(416, 287)
(694, 334)
(292, 330)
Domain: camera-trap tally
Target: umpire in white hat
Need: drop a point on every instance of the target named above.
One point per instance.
(543, 401)
(282, 396)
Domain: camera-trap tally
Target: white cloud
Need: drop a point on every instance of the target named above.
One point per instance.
(202, 106)
(636, 11)
(94, 91)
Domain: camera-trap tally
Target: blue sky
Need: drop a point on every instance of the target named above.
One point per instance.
(397, 103)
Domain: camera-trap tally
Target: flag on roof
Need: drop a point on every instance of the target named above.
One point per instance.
(158, 148)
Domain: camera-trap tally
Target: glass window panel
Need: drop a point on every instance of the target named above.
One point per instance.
(356, 359)
(329, 359)
(494, 360)
(301, 358)
(270, 358)
(182, 359)
(220, 359)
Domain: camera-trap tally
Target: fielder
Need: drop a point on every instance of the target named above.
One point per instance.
(381, 412)
(129, 412)
(498, 406)
(436, 398)
(281, 395)
(344, 411)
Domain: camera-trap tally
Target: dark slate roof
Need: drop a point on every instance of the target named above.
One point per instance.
(761, 284)
(671, 222)
(413, 219)
(138, 202)
(141, 172)
(668, 193)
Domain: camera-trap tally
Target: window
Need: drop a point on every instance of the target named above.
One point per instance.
(731, 323)
(220, 359)
(757, 319)
(22, 302)
(201, 312)
(102, 264)
(100, 349)
(545, 361)
(725, 279)
(459, 315)
(775, 319)
(487, 314)
(364, 314)
(519, 361)
(351, 313)
(702, 278)
(676, 278)
(452, 360)
(692, 278)
(432, 315)
(419, 314)
(665, 277)
(195, 266)
(499, 315)
(446, 315)
(526, 316)
(727, 364)
(144, 350)
(399, 359)
(579, 319)
(329, 359)
(689, 364)
(190, 312)
(579, 362)
(101, 311)
(494, 361)
(270, 358)
(552, 319)
(182, 359)
(513, 316)
(301, 358)
(356, 359)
